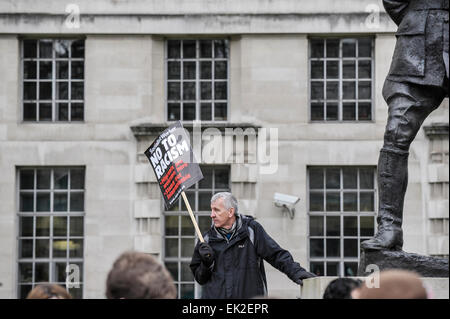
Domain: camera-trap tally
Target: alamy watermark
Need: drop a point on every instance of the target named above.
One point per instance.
(249, 146)
(373, 19)
(73, 276)
(72, 20)
(373, 280)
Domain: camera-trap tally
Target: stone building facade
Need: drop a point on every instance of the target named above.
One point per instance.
(280, 96)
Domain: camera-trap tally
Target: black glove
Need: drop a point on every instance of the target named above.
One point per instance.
(304, 275)
(206, 254)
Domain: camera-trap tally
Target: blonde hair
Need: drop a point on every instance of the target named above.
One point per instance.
(395, 284)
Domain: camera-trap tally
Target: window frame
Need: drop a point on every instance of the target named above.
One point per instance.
(54, 80)
(341, 259)
(341, 59)
(184, 213)
(50, 260)
(197, 79)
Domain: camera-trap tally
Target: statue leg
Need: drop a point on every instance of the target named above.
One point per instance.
(392, 180)
(409, 106)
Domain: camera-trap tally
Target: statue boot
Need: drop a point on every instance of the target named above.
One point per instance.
(392, 183)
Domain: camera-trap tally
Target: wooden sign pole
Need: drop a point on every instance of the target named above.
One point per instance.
(186, 202)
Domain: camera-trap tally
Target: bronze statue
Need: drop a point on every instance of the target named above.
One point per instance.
(416, 85)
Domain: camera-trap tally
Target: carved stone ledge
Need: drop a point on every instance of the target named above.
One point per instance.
(153, 129)
(436, 130)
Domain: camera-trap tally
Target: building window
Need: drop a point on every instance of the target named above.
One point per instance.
(439, 150)
(51, 227)
(438, 221)
(197, 80)
(53, 80)
(179, 234)
(341, 79)
(341, 216)
(439, 226)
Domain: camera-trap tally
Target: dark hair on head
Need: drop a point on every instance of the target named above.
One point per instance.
(48, 291)
(139, 276)
(341, 288)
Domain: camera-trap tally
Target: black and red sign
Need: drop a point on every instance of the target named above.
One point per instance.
(173, 162)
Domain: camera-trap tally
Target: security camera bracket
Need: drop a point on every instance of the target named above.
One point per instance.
(290, 209)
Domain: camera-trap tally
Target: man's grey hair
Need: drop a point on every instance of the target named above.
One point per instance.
(229, 200)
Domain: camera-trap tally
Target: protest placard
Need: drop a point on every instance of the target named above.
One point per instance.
(175, 166)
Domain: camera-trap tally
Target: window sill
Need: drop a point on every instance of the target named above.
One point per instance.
(436, 130)
(51, 122)
(152, 129)
(341, 122)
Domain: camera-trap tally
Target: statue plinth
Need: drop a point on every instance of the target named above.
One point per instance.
(425, 266)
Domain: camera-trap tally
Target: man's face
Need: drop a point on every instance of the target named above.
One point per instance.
(221, 216)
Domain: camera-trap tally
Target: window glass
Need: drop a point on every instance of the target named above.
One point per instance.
(341, 216)
(180, 237)
(53, 80)
(341, 79)
(50, 234)
(197, 80)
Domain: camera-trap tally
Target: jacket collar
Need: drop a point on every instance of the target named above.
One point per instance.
(240, 232)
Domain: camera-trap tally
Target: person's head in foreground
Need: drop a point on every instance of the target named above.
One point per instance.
(48, 291)
(137, 275)
(394, 284)
(341, 288)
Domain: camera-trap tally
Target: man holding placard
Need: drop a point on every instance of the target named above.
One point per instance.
(229, 263)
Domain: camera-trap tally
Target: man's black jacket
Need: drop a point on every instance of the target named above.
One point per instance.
(238, 269)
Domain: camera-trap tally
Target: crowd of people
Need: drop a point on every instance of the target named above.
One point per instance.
(136, 275)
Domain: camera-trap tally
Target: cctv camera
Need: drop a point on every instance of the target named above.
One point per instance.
(283, 199)
(286, 201)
